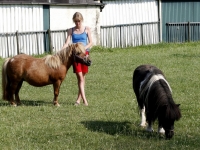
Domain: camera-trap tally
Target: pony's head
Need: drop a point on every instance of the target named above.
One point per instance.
(168, 126)
(74, 52)
(172, 114)
(79, 54)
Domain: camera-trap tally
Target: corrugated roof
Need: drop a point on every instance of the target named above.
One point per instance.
(53, 2)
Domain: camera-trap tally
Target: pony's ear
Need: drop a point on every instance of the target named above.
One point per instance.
(178, 105)
(76, 44)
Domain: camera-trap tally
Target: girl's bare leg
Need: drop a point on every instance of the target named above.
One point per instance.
(81, 87)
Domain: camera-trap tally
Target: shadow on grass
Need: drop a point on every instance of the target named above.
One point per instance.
(4, 103)
(27, 103)
(119, 128)
(34, 103)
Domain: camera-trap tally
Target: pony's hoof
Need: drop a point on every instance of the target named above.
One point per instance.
(13, 105)
(149, 129)
(143, 125)
(58, 105)
(161, 131)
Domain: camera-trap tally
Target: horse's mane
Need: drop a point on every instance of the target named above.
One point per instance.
(52, 61)
(166, 102)
(173, 111)
(62, 56)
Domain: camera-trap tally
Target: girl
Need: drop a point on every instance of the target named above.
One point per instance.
(82, 34)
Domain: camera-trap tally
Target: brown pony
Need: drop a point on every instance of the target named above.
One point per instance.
(38, 72)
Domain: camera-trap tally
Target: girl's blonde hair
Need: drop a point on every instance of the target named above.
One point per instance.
(77, 16)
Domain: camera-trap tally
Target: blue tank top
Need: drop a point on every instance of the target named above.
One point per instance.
(79, 37)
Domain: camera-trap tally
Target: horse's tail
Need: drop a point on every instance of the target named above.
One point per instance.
(5, 80)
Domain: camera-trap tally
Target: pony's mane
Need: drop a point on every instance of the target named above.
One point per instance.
(173, 111)
(52, 61)
(164, 97)
(62, 56)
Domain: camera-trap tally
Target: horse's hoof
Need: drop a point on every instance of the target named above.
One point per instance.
(142, 125)
(161, 131)
(149, 129)
(14, 105)
(58, 105)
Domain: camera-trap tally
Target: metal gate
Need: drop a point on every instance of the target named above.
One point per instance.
(182, 32)
(175, 17)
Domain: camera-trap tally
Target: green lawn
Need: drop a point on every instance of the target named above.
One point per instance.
(111, 121)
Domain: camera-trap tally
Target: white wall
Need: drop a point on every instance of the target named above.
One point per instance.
(129, 11)
(121, 12)
(61, 18)
(21, 18)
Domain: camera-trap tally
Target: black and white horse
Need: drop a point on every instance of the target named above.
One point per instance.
(154, 97)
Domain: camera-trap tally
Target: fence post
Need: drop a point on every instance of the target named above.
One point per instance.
(188, 31)
(17, 40)
(120, 32)
(160, 31)
(142, 34)
(50, 42)
(7, 44)
(65, 35)
(37, 42)
(167, 32)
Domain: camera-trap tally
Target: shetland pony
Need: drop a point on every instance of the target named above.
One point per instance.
(38, 72)
(154, 97)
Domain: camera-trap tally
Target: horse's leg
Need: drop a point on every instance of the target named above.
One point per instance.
(17, 99)
(149, 127)
(12, 101)
(142, 111)
(56, 87)
(143, 117)
(12, 90)
(160, 128)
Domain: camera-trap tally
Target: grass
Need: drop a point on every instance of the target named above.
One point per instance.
(111, 120)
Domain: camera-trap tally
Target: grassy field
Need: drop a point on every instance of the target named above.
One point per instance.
(111, 120)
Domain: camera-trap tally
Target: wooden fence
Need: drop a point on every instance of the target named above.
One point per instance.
(35, 43)
(124, 35)
(31, 43)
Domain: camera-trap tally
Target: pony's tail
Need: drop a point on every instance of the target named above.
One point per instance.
(5, 80)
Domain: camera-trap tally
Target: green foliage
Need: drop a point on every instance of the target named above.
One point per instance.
(111, 120)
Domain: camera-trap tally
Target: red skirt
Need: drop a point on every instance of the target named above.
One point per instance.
(78, 67)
